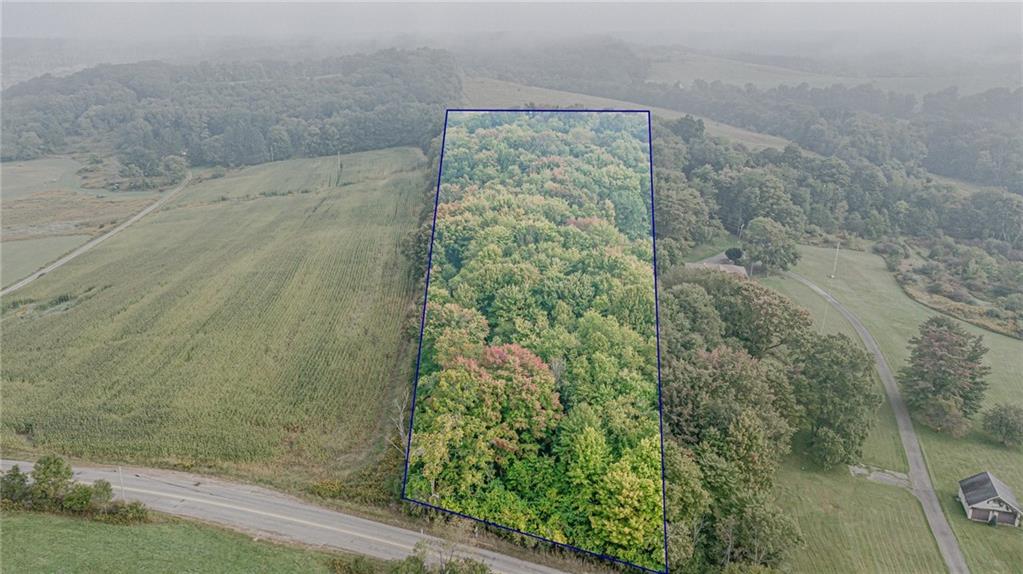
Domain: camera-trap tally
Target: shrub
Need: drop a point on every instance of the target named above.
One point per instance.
(358, 565)
(734, 254)
(51, 479)
(1005, 423)
(14, 486)
(78, 500)
(119, 512)
(102, 493)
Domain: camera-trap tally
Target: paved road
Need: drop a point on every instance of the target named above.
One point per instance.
(919, 478)
(269, 514)
(164, 198)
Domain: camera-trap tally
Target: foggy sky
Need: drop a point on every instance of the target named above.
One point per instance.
(942, 28)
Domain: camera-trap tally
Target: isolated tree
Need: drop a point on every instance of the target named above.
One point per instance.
(1005, 423)
(51, 477)
(767, 242)
(944, 380)
(734, 254)
(831, 378)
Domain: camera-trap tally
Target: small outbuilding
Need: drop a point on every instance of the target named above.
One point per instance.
(987, 499)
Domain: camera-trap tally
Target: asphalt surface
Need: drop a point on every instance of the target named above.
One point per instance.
(264, 513)
(919, 478)
(164, 198)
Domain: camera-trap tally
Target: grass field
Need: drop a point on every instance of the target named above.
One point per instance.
(853, 525)
(865, 286)
(686, 67)
(44, 543)
(486, 92)
(20, 258)
(23, 178)
(253, 325)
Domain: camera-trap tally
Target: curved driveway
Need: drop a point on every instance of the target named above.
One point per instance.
(919, 478)
(265, 513)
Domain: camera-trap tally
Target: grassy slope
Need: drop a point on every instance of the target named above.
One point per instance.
(687, 67)
(486, 92)
(20, 258)
(38, 543)
(247, 332)
(851, 524)
(865, 286)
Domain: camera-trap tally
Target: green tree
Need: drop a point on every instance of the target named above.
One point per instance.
(831, 378)
(51, 477)
(944, 378)
(1005, 423)
(767, 242)
(14, 486)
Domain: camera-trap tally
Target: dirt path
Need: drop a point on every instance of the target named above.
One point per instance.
(164, 198)
(919, 478)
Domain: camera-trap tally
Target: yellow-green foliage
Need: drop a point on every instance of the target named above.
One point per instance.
(255, 319)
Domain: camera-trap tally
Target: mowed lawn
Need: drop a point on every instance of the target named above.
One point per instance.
(865, 286)
(44, 543)
(252, 324)
(851, 524)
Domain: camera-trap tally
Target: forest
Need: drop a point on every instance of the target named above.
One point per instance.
(232, 114)
(864, 168)
(537, 403)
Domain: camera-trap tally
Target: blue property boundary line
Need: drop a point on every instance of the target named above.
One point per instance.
(657, 323)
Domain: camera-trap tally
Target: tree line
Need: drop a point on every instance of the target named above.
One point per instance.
(232, 114)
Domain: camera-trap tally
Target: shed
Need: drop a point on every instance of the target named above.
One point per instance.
(987, 499)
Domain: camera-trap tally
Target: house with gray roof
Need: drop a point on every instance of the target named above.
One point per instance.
(987, 499)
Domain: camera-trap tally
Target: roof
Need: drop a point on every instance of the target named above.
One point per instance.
(985, 486)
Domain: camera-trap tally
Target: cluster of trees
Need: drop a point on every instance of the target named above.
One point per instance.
(233, 113)
(537, 401)
(49, 488)
(743, 375)
(537, 407)
(873, 179)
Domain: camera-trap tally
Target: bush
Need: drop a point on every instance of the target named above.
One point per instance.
(119, 512)
(358, 565)
(78, 500)
(734, 254)
(14, 486)
(1005, 423)
(51, 480)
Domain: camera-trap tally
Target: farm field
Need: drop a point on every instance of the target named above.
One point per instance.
(43, 543)
(865, 286)
(686, 67)
(486, 92)
(251, 326)
(19, 259)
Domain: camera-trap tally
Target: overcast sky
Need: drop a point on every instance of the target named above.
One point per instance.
(885, 26)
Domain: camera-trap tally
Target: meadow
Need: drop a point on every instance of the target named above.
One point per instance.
(864, 285)
(673, 65)
(251, 326)
(37, 543)
(19, 259)
(486, 92)
(47, 212)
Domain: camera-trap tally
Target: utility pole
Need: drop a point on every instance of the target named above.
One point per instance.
(121, 477)
(834, 267)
